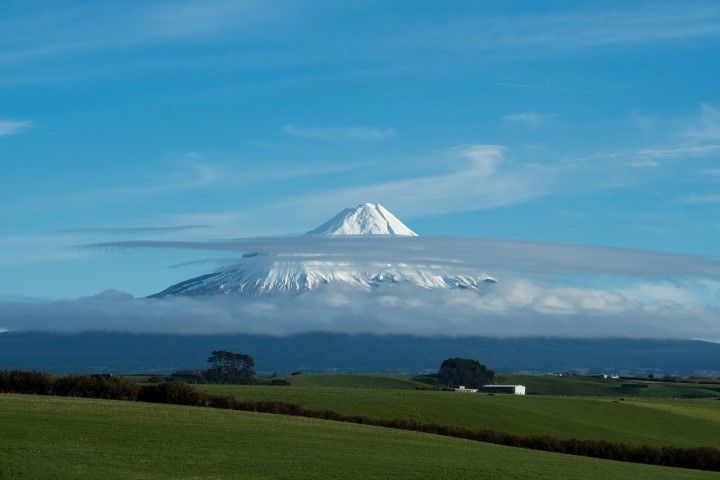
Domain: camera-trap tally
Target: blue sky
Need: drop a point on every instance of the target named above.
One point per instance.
(591, 123)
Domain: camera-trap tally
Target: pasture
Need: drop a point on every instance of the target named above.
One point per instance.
(52, 437)
(634, 420)
(598, 387)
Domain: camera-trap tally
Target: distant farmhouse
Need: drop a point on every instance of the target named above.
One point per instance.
(461, 388)
(514, 389)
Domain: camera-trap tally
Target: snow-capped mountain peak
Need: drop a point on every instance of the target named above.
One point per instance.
(278, 273)
(365, 219)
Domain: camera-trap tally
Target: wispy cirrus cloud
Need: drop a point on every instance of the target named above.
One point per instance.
(13, 127)
(694, 138)
(706, 127)
(106, 26)
(679, 151)
(400, 41)
(651, 157)
(531, 119)
(703, 198)
(340, 133)
(479, 177)
(195, 176)
(573, 29)
(191, 173)
(186, 19)
(133, 230)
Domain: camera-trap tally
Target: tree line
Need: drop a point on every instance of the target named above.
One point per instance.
(464, 371)
(225, 367)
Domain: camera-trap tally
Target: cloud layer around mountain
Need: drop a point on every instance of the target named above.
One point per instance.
(516, 308)
(493, 256)
(544, 290)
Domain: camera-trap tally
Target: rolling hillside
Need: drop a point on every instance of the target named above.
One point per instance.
(638, 421)
(50, 437)
(587, 386)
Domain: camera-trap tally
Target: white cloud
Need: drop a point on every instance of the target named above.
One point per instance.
(659, 292)
(480, 177)
(679, 151)
(706, 128)
(532, 119)
(689, 139)
(132, 230)
(197, 176)
(507, 309)
(682, 292)
(25, 249)
(13, 127)
(191, 173)
(704, 198)
(184, 19)
(668, 295)
(495, 257)
(570, 29)
(340, 133)
(105, 26)
(710, 172)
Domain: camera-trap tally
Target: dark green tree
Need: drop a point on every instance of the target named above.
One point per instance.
(463, 371)
(229, 367)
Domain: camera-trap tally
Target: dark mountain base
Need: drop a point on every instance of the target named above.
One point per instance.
(322, 352)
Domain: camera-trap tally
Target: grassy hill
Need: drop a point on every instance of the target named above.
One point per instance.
(536, 385)
(354, 381)
(641, 422)
(51, 437)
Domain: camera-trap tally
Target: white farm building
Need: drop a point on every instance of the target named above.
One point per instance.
(514, 389)
(462, 388)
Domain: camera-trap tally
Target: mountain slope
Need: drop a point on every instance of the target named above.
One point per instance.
(268, 275)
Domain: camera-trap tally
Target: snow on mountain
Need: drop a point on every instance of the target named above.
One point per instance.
(270, 274)
(365, 219)
(278, 273)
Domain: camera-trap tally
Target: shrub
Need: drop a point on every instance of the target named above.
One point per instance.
(189, 376)
(177, 393)
(279, 382)
(95, 386)
(35, 383)
(222, 401)
(158, 379)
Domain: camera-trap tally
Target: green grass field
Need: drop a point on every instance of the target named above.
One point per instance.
(68, 438)
(536, 385)
(354, 381)
(690, 423)
(588, 386)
